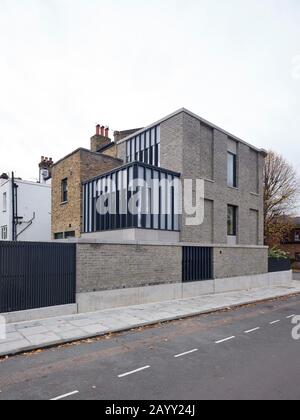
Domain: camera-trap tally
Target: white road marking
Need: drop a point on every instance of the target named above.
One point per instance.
(186, 353)
(291, 316)
(225, 339)
(250, 331)
(61, 397)
(134, 371)
(275, 322)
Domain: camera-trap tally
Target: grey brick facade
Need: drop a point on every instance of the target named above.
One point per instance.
(198, 150)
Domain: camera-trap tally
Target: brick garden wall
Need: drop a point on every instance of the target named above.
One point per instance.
(103, 267)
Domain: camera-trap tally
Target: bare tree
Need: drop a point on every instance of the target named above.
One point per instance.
(281, 194)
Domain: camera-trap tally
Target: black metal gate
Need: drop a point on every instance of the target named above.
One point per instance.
(197, 264)
(36, 275)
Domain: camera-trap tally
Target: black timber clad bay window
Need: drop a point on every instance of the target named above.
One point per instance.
(156, 203)
(232, 221)
(145, 147)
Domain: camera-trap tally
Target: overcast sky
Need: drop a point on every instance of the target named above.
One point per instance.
(66, 65)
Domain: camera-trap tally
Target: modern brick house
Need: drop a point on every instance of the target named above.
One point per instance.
(184, 145)
(122, 250)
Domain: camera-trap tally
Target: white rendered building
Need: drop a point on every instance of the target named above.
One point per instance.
(25, 210)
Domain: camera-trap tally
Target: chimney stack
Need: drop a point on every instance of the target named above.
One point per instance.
(45, 166)
(101, 139)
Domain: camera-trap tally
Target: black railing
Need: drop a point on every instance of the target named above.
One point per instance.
(36, 275)
(197, 264)
(279, 264)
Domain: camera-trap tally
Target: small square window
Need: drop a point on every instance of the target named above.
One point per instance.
(58, 236)
(69, 235)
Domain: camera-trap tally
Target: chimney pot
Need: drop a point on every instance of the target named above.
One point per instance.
(98, 129)
(107, 132)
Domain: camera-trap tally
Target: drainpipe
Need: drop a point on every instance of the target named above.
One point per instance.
(13, 204)
(14, 208)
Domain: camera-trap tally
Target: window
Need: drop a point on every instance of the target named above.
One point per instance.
(145, 148)
(64, 190)
(58, 236)
(297, 256)
(297, 236)
(232, 221)
(4, 202)
(231, 170)
(69, 235)
(4, 233)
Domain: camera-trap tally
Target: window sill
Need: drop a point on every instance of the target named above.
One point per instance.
(233, 188)
(255, 194)
(63, 203)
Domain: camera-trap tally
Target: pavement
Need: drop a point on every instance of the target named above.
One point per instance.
(28, 336)
(248, 353)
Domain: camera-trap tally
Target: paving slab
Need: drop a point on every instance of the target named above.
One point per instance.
(30, 335)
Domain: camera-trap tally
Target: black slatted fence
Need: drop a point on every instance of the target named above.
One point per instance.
(197, 264)
(36, 275)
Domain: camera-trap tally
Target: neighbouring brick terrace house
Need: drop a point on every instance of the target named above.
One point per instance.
(181, 145)
(292, 242)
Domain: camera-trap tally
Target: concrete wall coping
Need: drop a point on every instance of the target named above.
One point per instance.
(83, 241)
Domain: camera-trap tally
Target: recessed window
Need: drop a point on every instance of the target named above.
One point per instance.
(231, 170)
(232, 221)
(58, 236)
(4, 233)
(64, 190)
(4, 205)
(69, 234)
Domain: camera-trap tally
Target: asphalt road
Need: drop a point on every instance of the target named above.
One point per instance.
(248, 353)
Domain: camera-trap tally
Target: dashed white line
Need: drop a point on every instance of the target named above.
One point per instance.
(186, 353)
(225, 339)
(61, 397)
(134, 371)
(275, 322)
(291, 316)
(253, 330)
